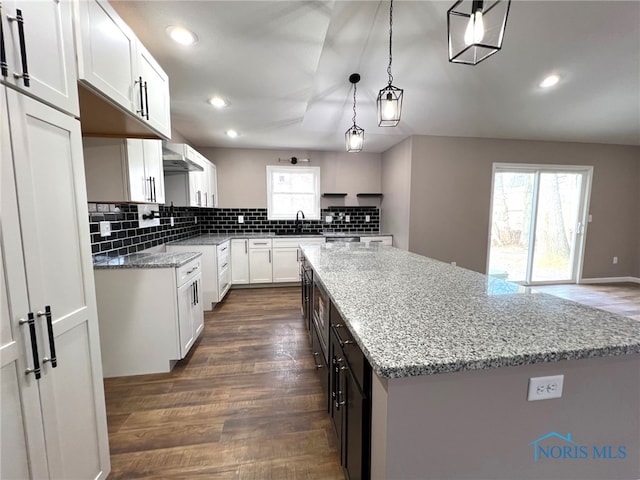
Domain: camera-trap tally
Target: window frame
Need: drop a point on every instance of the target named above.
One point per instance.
(315, 215)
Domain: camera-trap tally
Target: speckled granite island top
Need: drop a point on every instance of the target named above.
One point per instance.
(145, 260)
(412, 315)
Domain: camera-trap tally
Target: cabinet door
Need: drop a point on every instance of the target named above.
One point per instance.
(154, 173)
(106, 51)
(239, 262)
(260, 270)
(49, 51)
(355, 439)
(285, 265)
(139, 183)
(197, 313)
(52, 199)
(186, 299)
(21, 430)
(155, 92)
(213, 186)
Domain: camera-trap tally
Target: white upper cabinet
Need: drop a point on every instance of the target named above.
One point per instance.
(155, 92)
(113, 63)
(106, 52)
(123, 170)
(45, 67)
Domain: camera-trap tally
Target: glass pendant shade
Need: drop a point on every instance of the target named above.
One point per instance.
(476, 29)
(354, 138)
(389, 106)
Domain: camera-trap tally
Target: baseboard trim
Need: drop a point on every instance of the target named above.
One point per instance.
(610, 280)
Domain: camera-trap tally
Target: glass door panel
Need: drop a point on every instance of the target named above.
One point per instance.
(536, 230)
(556, 224)
(510, 225)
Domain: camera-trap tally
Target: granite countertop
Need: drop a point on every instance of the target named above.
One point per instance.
(145, 260)
(219, 239)
(413, 315)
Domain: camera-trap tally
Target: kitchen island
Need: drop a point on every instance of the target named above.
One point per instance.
(451, 353)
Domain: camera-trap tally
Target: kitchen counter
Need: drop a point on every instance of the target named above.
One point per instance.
(412, 315)
(218, 239)
(145, 260)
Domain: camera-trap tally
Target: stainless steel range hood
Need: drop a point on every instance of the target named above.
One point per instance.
(175, 159)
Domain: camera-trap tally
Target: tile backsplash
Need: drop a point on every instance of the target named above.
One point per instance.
(128, 237)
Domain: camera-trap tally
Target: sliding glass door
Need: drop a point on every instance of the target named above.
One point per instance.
(537, 222)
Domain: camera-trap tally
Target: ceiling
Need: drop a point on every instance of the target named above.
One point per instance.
(283, 66)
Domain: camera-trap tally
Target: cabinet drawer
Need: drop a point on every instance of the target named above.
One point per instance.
(188, 272)
(295, 241)
(223, 262)
(223, 249)
(384, 240)
(260, 243)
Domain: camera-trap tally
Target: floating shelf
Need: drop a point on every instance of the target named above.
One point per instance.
(334, 194)
(379, 195)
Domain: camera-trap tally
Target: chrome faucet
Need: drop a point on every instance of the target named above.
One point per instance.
(298, 221)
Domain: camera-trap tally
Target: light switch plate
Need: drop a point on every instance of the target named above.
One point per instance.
(240, 218)
(105, 229)
(347, 218)
(367, 218)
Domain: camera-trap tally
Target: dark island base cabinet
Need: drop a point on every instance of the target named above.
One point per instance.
(345, 377)
(350, 397)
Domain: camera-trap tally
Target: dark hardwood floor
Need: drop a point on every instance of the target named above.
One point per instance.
(245, 404)
(620, 298)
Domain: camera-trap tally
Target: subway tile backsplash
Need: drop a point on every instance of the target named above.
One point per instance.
(127, 236)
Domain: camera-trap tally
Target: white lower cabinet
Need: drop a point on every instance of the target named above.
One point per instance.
(216, 270)
(53, 421)
(239, 261)
(260, 261)
(286, 257)
(149, 317)
(381, 239)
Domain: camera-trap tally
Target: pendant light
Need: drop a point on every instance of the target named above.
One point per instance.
(476, 29)
(354, 136)
(390, 97)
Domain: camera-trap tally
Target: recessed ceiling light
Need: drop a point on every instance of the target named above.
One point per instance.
(550, 81)
(218, 102)
(182, 35)
(231, 133)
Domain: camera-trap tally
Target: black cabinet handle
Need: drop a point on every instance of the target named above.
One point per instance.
(141, 111)
(52, 342)
(197, 294)
(4, 68)
(23, 47)
(146, 102)
(153, 180)
(34, 345)
(193, 294)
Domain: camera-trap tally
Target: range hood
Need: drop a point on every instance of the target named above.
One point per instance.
(174, 159)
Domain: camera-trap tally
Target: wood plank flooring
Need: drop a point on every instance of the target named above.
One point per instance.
(620, 298)
(245, 404)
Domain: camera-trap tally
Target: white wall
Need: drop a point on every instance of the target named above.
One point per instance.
(242, 180)
(396, 187)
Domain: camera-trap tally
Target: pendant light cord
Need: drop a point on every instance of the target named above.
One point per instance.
(355, 86)
(390, 41)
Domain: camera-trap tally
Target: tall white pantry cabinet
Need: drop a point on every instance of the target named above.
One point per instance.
(53, 422)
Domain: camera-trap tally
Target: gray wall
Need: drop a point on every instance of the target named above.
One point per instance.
(242, 173)
(478, 424)
(451, 190)
(396, 187)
